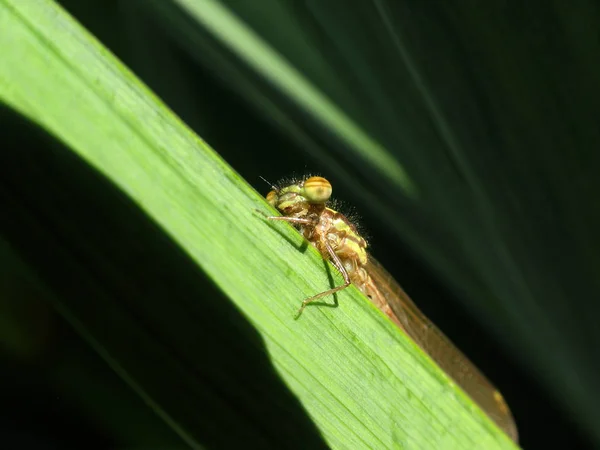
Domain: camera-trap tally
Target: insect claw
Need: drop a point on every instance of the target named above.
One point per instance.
(300, 311)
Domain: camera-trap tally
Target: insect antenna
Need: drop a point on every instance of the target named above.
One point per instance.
(269, 183)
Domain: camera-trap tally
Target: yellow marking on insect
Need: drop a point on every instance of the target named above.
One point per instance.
(317, 190)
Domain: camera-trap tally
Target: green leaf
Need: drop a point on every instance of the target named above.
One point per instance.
(126, 218)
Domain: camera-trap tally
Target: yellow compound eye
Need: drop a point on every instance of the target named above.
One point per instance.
(272, 198)
(317, 190)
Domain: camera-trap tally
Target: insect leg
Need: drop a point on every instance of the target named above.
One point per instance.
(292, 219)
(287, 219)
(338, 264)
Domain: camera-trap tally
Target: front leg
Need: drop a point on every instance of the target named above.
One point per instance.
(297, 220)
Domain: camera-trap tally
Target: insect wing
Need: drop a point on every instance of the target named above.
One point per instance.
(449, 358)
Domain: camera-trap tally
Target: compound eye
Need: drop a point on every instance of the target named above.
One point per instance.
(317, 190)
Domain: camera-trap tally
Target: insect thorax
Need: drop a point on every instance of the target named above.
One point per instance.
(344, 238)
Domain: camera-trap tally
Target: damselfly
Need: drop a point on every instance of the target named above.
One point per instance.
(303, 203)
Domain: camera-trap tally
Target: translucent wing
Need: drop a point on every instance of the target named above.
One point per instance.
(382, 288)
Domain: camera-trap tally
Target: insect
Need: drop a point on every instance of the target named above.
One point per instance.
(303, 203)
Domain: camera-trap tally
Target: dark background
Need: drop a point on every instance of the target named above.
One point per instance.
(152, 39)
